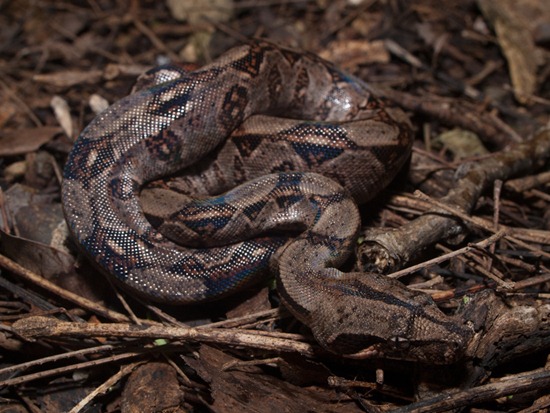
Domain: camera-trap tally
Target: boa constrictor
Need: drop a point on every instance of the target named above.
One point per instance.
(176, 118)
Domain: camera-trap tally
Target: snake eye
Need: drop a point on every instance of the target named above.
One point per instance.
(399, 342)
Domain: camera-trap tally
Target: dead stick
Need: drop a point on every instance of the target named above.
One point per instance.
(80, 301)
(393, 249)
(50, 327)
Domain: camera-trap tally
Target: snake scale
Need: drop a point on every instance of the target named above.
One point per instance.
(305, 138)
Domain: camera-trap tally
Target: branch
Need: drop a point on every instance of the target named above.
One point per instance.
(392, 250)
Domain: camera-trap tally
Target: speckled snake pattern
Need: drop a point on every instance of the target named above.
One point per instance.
(301, 141)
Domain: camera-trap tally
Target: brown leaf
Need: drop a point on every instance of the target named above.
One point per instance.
(511, 23)
(152, 387)
(248, 389)
(21, 141)
(350, 53)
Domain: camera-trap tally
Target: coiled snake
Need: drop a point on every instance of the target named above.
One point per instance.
(176, 118)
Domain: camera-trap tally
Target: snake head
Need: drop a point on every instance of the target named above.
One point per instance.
(373, 315)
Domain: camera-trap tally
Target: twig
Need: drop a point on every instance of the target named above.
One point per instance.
(70, 368)
(393, 249)
(49, 327)
(519, 383)
(111, 381)
(154, 39)
(479, 245)
(454, 113)
(80, 301)
(481, 224)
(39, 362)
(20, 102)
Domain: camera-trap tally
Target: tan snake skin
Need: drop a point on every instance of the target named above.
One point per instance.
(179, 118)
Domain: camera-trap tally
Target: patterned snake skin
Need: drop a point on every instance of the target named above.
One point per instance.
(176, 118)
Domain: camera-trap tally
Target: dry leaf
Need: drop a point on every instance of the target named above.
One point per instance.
(512, 24)
(350, 53)
(462, 143)
(21, 141)
(197, 12)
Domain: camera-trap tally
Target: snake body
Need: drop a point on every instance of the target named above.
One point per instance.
(179, 118)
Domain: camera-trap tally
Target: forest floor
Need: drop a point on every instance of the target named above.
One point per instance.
(474, 79)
